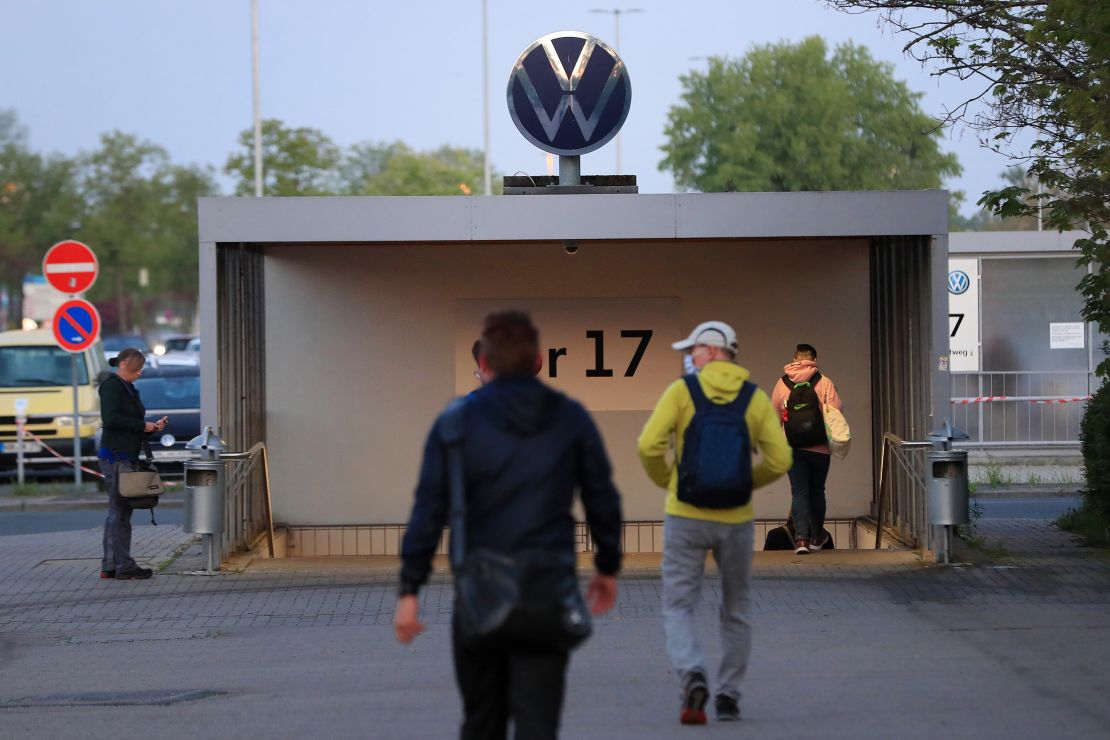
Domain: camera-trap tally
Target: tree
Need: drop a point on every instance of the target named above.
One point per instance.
(788, 117)
(1038, 68)
(444, 171)
(296, 161)
(39, 205)
(141, 219)
(987, 220)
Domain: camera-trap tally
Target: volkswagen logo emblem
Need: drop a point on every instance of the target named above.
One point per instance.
(569, 93)
(958, 282)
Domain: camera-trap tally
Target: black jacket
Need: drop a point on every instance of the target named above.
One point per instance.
(122, 416)
(526, 448)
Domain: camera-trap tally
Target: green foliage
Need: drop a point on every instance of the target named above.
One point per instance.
(1094, 436)
(789, 117)
(1039, 68)
(445, 171)
(1089, 523)
(141, 214)
(296, 161)
(39, 203)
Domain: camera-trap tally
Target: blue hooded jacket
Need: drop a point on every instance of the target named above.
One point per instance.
(526, 449)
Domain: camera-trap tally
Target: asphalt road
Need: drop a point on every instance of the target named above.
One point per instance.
(37, 522)
(1047, 507)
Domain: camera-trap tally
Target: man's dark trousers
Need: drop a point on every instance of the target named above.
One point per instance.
(501, 682)
(807, 488)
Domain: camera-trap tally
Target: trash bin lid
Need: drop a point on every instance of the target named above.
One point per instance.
(948, 433)
(206, 440)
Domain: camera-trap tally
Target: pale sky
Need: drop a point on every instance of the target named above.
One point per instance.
(178, 72)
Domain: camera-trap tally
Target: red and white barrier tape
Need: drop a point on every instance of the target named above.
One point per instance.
(989, 399)
(1076, 399)
(55, 453)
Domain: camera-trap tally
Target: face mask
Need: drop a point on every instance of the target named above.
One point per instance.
(688, 365)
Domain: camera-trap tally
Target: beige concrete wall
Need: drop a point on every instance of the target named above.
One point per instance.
(366, 343)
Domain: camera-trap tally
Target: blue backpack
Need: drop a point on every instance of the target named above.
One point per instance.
(716, 467)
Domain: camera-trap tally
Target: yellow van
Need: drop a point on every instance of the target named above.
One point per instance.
(34, 370)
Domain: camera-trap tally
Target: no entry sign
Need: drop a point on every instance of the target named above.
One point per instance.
(76, 325)
(70, 267)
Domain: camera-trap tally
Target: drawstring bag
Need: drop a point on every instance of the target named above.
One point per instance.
(836, 427)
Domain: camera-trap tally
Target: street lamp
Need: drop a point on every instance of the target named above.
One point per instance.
(617, 13)
(487, 185)
(256, 102)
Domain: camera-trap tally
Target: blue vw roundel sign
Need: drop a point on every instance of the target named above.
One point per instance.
(569, 93)
(958, 282)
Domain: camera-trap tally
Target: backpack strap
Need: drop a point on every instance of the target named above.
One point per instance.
(451, 433)
(697, 395)
(743, 397)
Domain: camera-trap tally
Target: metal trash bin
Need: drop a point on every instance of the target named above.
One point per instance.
(205, 485)
(946, 474)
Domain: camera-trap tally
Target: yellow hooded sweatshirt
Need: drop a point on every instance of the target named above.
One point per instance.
(721, 383)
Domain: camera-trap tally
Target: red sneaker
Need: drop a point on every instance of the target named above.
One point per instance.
(695, 695)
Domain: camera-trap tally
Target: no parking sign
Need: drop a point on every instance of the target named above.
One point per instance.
(76, 325)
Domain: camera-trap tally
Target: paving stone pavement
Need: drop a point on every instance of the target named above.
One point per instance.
(851, 645)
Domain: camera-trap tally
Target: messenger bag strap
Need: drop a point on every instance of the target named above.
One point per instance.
(451, 432)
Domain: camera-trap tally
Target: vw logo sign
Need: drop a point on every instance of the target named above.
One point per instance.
(569, 93)
(958, 282)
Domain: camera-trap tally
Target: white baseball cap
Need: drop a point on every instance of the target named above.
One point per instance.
(712, 334)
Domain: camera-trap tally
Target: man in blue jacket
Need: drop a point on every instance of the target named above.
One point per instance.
(526, 449)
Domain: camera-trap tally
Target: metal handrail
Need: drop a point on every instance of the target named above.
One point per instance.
(898, 447)
(241, 474)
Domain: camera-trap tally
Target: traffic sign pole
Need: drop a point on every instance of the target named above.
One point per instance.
(76, 328)
(76, 429)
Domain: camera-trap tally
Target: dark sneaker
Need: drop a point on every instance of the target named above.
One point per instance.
(728, 710)
(695, 694)
(133, 574)
(107, 574)
(801, 546)
(818, 543)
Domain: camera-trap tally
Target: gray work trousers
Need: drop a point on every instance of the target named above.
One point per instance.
(685, 544)
(117, 527)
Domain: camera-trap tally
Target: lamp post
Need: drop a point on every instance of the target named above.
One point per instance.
(256, 102)
(617, 13)
(485, 99)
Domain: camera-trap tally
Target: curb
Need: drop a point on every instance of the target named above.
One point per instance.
(57, 503)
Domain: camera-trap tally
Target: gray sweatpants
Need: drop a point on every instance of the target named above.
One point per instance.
(685, 544)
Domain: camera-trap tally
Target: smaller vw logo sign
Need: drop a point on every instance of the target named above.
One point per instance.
(958, 282)
(569, 93)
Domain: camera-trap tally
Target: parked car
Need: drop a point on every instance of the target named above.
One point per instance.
(172, 391)
(188, 354)
(37, 373)
(115, 343)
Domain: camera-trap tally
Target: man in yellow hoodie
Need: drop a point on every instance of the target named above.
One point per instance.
(699, 520)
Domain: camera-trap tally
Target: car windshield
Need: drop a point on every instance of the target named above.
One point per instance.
(123, 341)
(24, 367)
(170, 392)
(178, 344)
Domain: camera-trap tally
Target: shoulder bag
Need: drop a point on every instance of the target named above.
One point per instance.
(529, 598)
(141, 487)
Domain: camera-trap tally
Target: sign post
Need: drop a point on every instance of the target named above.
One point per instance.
(20, 420)
(76, 328)
(71, 267)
